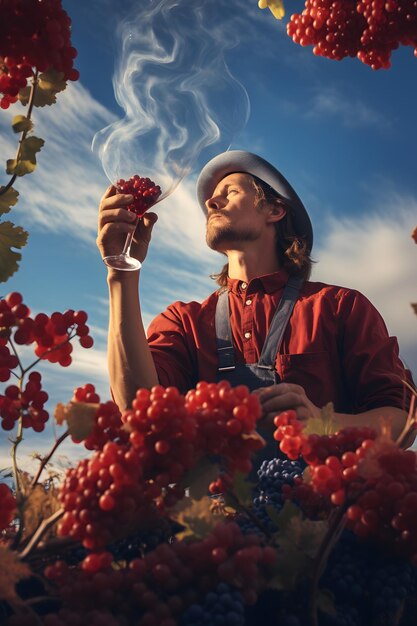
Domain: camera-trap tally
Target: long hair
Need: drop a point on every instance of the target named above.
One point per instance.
(293, 253)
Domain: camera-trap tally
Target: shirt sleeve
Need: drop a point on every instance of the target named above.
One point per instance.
(374, 373)
(171, 352)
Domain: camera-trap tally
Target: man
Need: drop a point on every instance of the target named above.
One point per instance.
(301, 344)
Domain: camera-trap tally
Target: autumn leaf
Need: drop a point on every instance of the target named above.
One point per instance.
(7, 200)
(195, 516)
(11, 236)
(275, 6)
(12, 570)
(41, 503)
(21, 123)
(26, 161)
(80, 418)
(414, 234)
(324, 424)
(49, 84)
(414, 305)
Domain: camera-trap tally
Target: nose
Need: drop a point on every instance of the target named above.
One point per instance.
(214, 203)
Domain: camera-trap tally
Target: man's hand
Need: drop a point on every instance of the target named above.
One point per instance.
(115, 222)
(282, 397)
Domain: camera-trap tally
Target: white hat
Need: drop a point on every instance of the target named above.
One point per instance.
(241, 161)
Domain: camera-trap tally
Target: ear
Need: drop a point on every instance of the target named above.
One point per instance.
(276, 212)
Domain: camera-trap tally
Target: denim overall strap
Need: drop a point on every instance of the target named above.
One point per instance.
(279, 323)
(273, 341)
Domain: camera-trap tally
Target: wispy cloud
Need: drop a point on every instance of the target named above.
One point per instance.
(62, 194)
(376, 255)
(353, 113)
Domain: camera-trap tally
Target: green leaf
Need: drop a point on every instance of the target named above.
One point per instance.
(26, 162)
(21, 123)
(324, 424)
(291, 565)
(11, 236)
(197, 480)
(243, 489)
(7, 200)
(49, 84)
(287, 515)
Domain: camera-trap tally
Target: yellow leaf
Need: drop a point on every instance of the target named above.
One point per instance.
(12, 570)
(41, 503)
(324, 424)
(26, 161)
(21, 123)
(7, 200)
(80, 417)
(275, 6)
(11, 236)
(196, 517)
(49, 84)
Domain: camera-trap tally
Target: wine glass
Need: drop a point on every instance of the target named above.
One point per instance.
(145, 194)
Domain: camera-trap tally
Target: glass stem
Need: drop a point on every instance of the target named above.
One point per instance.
(129, 239)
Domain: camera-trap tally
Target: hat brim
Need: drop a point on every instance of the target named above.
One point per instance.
(241, 161)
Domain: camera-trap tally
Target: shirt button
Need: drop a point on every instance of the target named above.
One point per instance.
(243, 285)
(248, 335)
(248, 302)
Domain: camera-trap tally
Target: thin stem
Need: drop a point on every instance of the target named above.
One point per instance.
(34, 85)
(13, 347)
(42, 528)
(55, 347)
(410, 423)
(129, 239)
(46, 459)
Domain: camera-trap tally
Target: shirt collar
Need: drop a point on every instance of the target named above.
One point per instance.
(269, 283)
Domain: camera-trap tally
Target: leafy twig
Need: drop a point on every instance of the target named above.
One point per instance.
(6, 188)
(46, 459)
(43, 527)
(411, 421)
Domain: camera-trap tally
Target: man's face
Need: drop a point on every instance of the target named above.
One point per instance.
(233, 215)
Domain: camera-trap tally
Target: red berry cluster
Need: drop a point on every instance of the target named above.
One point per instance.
(367, 29)
(374, 478)
(28, 403)
(157, 589)
(226, 416)
(33, 34)
(104, 498)
(108, 425)
(164, 435)
(143, 190)
(50, 334)
(7, 506)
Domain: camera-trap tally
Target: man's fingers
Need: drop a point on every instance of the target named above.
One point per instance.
(290, 400)
(114, 201)
(116, 216)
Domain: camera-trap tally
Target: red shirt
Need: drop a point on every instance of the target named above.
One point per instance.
(336, 344)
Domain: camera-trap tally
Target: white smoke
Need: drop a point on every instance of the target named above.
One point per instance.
(177, 92)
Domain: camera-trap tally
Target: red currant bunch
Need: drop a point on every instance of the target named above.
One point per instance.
(144, 191)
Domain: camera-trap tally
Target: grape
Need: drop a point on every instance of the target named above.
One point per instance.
(222, 606)
(367, 29)
(144, 191)
(34, 36)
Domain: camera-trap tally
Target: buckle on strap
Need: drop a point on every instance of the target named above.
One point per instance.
(226, 358)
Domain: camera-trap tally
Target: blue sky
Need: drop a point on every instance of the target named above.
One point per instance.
(342, 134)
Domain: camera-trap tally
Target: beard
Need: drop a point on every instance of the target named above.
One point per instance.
(231, 235)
